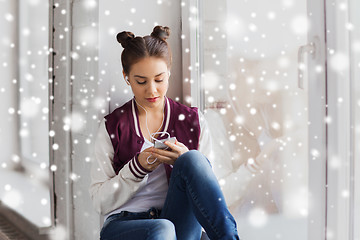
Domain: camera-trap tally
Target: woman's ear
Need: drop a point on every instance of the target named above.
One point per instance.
(126, 78)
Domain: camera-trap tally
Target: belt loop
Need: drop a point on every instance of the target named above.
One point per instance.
(124, 213)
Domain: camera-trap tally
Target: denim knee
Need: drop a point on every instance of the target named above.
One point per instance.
(163, 229)
(192, 159)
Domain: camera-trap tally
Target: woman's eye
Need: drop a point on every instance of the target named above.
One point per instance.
(141, 82)
(159, 80)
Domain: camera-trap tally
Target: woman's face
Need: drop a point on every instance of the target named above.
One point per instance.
(149, 81)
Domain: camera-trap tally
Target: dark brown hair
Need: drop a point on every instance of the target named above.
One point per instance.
(136, 48)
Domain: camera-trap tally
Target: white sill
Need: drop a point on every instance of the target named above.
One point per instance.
(277, 226)
(26, 196)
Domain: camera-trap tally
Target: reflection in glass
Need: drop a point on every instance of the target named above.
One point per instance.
(257, 114)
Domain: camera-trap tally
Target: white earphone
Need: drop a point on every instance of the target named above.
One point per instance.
(152, 135)
(127, 80)
(169, 73)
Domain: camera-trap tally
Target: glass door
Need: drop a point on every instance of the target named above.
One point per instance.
(262, 91)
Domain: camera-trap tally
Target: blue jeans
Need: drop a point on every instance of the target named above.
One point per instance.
(194, 200)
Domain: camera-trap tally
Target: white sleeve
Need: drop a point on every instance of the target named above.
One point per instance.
(108, 190)
(234, 185)
(233, 181)
(205, 142)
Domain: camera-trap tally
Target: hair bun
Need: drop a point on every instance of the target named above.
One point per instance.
(161, 32)
(124, 37)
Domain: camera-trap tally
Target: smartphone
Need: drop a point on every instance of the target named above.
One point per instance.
(160, 144)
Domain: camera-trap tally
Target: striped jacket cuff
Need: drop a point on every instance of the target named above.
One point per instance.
(136, 169)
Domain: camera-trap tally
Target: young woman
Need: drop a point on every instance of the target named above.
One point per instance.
(147, 192)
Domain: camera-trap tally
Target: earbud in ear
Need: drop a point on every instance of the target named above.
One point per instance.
(127, 80)
(169, 73)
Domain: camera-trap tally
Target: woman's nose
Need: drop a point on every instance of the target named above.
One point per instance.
(152, 87)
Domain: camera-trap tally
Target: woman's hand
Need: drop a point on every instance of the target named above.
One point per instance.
(144, 161)
(169, 156)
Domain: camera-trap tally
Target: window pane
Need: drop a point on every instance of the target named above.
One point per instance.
(33, 79)
(257, 113)
(24, 171)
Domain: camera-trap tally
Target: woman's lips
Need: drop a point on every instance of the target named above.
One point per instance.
(152, 99)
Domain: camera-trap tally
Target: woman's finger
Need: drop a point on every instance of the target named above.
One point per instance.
(164, 159)
(165, 153)
(180, 144)
(178, 147)
(145, 159)
(173, 146)
(148, 149)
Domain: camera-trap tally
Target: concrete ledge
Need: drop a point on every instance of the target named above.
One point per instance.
(14, 226)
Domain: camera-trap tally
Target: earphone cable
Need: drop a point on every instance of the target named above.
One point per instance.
(147, 128)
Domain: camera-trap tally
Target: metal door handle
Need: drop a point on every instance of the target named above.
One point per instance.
(308, 48)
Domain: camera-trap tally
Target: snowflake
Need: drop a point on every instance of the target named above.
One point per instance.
(58, 233)
(55, 146)
(253, 111)
(53, 168)
(90, 4)
(44, 201)
(13, 198)
(288, 3)
(51, 133)
(30, 107)
(300, 25)
(181, 117)
(9, 17)
(74, 177)
(257, 217)
(76, 122)
(339, 62)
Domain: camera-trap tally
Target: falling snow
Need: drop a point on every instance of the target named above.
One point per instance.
(257, 217)
(254, 109)
(339, 62)
(181, 117)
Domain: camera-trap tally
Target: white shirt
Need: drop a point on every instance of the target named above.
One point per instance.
(153, 194)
